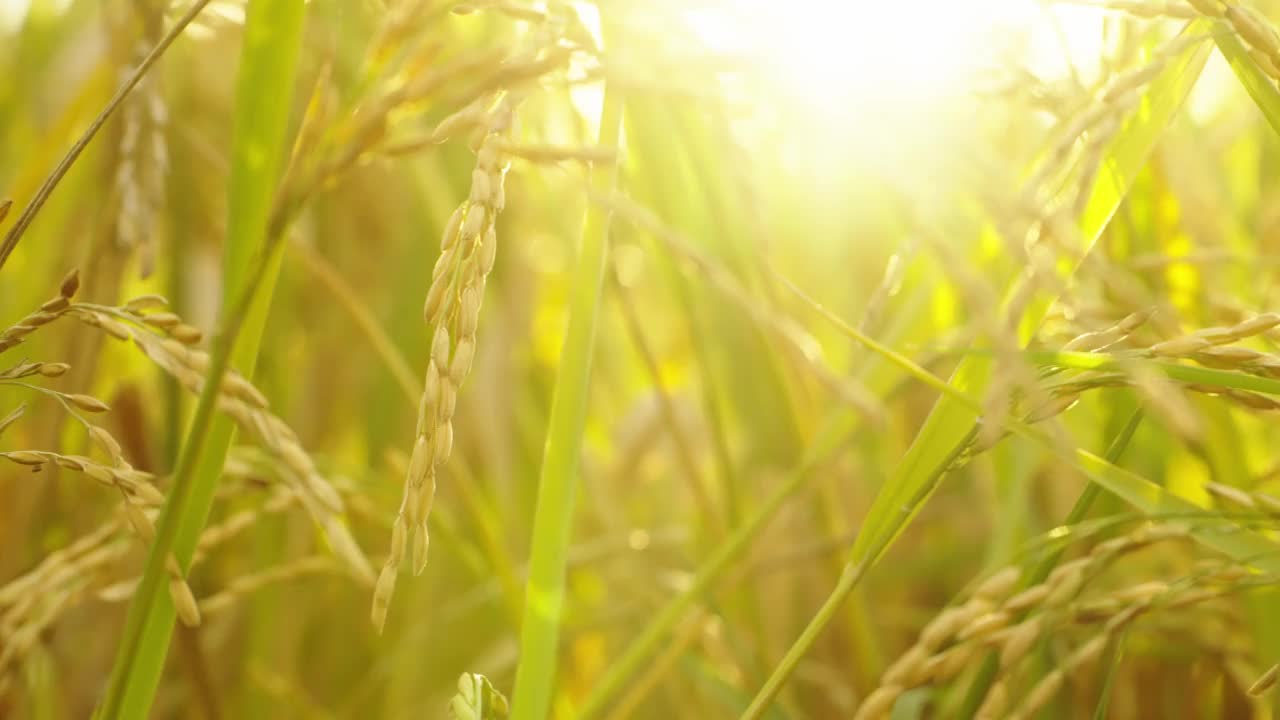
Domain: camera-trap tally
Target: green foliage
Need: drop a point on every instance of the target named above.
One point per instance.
(764, 384)
(553, 517)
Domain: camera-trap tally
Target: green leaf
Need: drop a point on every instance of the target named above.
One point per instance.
(553, 518)
(273, 33)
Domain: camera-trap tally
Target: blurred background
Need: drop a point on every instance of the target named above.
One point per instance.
(873, 156)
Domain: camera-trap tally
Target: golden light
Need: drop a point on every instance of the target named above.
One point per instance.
(836, 54)
(894, 76)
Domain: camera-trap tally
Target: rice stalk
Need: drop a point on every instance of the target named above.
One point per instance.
(544, 593)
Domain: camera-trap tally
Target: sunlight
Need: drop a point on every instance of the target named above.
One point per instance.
(838, 55)
(12, 13)
(889, 88)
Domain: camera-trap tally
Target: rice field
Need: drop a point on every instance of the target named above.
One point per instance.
(665, 359)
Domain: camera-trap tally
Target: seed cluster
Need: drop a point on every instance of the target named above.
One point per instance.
(135, 487)
(49, 311)
(468, 250)
(245, 405)
(1211, 347)
(31, 603)
(169, 342)
(999, 615)
(88, 567)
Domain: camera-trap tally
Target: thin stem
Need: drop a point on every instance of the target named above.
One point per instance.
(553, 518)
(46, 189)
(382, 344)
(673, 426)
(851, 575)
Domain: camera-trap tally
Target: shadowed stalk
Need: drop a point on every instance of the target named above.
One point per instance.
(553, 518)
(273, 30)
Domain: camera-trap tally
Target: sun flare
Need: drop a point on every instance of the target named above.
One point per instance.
(891, 87)
(839, 55)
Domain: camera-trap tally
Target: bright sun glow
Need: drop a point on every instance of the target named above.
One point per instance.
(838, 54)
(12, 13)
(888, 86)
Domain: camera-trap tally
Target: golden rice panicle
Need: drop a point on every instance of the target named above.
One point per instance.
(246, 405)
(399, 25)
(468, 250)
(49, 311)
(143, 163)
(137, 486)
(1249, 500)
(1254, 29)
(997, 616)
(1203, 340)
(1104, 339)
(468, 253)
(183, 599)
(245, 585)
(879, 703)
(996, 701)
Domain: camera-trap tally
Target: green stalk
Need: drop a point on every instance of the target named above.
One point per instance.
(1173, 370)
(1113, 669)
(553, 518)
(273, 32)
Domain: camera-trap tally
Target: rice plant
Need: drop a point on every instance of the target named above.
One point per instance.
(679, 358)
